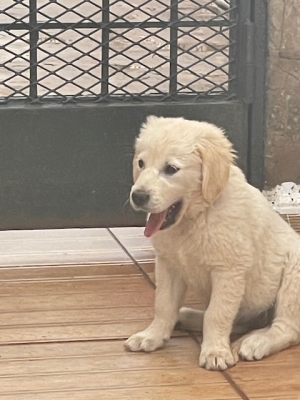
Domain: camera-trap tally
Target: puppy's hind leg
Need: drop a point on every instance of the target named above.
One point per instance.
(285, 329)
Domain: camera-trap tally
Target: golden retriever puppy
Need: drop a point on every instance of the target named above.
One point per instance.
(216, 234)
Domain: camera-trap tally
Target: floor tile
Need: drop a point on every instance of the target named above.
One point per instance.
(54, 247)
(103, 370)
(73, 303)
(135, 242)
(276, 377)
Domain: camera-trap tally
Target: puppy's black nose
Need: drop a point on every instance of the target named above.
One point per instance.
(140, 197)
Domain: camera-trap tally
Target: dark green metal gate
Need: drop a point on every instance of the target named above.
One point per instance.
(77, 79)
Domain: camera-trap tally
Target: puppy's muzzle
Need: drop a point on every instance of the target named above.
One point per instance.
(140, 197)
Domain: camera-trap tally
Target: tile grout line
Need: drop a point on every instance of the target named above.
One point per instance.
(225, 374)
(235, 386)
(61, 341)
(136, 263)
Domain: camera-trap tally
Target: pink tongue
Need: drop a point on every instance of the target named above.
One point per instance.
(154, 223)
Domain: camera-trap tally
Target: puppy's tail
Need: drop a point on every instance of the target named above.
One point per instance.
(190, 319)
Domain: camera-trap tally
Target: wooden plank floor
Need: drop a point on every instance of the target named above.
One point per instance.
(65, 311)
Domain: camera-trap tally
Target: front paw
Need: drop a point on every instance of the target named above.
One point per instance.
(144, 341)
(217, 359)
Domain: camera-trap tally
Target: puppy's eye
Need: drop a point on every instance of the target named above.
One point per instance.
(141, 163)
(170, 170)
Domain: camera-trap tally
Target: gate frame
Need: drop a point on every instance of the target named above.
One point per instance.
(257, 110)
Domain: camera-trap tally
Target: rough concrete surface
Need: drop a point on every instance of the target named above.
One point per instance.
(282, 147)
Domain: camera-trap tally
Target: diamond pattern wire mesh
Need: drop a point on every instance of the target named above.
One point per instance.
(113, 50)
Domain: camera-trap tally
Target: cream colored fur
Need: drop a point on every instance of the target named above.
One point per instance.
(227, 245)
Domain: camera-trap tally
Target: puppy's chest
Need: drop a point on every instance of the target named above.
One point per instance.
(185, 251)
(189, 262)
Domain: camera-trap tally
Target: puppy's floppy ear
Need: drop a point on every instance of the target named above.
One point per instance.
(216, 157)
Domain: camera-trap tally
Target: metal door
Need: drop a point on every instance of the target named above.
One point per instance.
(78, 77)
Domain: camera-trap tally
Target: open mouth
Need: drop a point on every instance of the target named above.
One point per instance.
(162, 220)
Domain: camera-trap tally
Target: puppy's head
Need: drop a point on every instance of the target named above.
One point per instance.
(178, 164)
